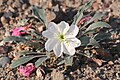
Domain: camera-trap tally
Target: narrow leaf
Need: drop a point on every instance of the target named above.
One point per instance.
(84, 40)
(79, 14)
(102, 35)
(93, 42)
(14, 38)
(69, 61)
(97, 16)
(40, 61)
(24, 52)
(78, 17)
(21, 61)
(34, 44)
(61, 62)
(97, 25)
(23, 22)
(88, 4)
(40, 14)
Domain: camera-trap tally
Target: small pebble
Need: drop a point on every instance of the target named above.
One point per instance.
(110, 62)
(4, 61)
(3, 20)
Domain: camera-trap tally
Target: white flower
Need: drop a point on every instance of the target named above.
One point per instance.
(61, 38)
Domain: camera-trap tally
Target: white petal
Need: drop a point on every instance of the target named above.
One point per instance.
(63, 27)
(50, 44)
(51, 24)
(74, 42)
(58, 49)
(73, 30)
(52, 27)
(68, 49)
(48, 34)
(69, 36)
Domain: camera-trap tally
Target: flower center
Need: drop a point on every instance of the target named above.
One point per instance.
(61, 37)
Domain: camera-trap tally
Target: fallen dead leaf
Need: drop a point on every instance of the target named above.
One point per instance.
(102, 52)
(39, 72)
(94, 51)
(98, 61)
(50, 16)
(95, 6)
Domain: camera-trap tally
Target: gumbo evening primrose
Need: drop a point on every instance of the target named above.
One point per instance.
(61, 38)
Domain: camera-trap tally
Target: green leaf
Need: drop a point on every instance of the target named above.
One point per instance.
(40, 14)
(23, 21)
(78, 17)
(97, 25)
(68, 61)
(24, 52)
(102, 35)
(88, 4)
(97, 15)
(14, 38)
(40, 61)
(61, 62)
(79, 14)
(21, 61)
(84, 40)
(34, 44)
(87, 54)
(93, 42)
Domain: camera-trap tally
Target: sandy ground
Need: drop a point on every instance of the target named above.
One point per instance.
(57, 10)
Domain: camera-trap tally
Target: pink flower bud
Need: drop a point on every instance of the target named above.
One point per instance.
(27, 70)
(18, 31)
